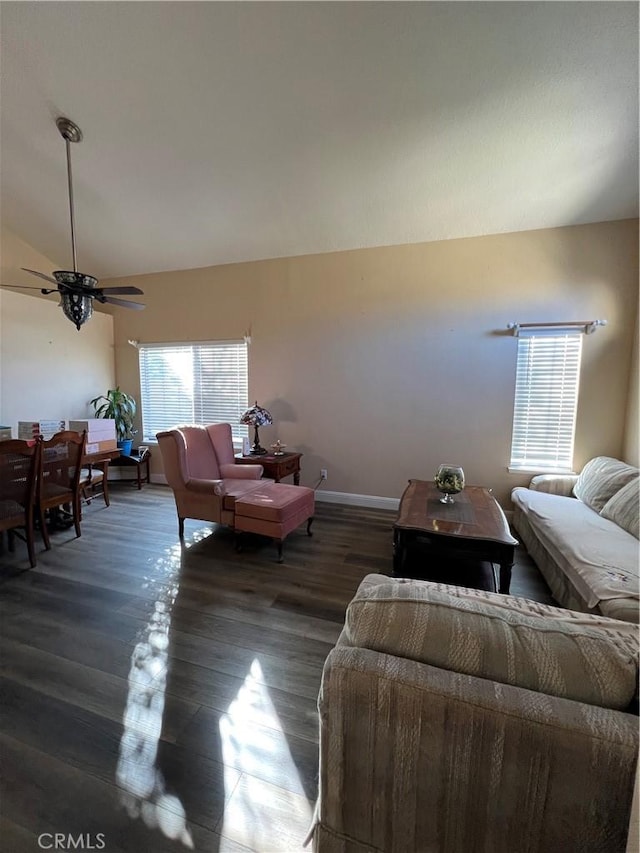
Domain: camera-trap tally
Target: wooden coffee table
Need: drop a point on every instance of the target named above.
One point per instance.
(474, 526)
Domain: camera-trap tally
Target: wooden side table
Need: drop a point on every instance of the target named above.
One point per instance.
(141, 464)
(276, 467)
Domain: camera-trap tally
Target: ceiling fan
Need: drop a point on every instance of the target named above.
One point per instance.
(78, 290)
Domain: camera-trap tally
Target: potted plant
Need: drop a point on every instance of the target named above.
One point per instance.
(121, 407)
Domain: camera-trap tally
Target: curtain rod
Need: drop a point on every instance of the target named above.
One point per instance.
(589, 326)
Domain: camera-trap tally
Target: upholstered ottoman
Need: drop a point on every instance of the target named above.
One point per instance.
(274, 510)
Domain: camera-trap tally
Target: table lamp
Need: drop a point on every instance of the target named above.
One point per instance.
(256, 417)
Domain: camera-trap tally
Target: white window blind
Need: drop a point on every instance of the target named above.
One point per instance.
(547, 380)
(201, 383)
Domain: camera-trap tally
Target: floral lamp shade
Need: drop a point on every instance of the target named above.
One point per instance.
(256, 417)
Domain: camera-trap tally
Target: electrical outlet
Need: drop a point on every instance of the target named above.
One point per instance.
(323, 473)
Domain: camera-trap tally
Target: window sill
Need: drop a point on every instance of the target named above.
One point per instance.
(559, 472)
(237, 446)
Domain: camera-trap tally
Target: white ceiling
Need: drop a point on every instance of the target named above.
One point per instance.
(221, 132)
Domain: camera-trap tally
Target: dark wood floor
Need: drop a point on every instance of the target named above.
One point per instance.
(158, 698)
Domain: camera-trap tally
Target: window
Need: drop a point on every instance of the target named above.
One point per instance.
(544, 419)
(193, 383)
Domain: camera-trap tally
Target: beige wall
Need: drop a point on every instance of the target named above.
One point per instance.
(632, 430)
(48, 369)
(378, 364)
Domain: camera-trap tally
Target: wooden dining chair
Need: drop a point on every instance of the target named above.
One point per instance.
(19, 464)
(59, 478)
(94, 482)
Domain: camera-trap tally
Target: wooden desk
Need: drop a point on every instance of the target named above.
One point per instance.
(102, 456)
(276, 466)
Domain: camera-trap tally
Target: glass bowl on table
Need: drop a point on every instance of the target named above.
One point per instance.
(449, 480)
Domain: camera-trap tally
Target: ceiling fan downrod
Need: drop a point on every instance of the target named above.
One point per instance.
(70, 132)
(78, 290)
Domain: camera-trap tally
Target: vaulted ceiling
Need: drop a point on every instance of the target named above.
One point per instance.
(222, 132)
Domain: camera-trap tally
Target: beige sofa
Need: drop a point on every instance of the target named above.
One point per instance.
(455, 720)
(582, 532)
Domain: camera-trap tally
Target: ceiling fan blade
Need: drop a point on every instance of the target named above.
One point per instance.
(41, 275)
(97, 292)
(20, 287)
(131, 291)
(137, 306)
(26, 287)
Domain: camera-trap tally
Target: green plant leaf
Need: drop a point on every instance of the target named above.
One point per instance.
(119, 406)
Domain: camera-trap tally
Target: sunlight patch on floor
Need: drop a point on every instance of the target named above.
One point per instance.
(198, 536)
(142, 785)
(266, 817)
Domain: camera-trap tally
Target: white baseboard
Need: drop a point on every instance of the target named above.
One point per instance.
(373, 501)
(346, 498)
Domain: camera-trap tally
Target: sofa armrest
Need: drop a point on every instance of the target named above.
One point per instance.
(206, 487)
(241, 472)
(414, 757)
(554, 484)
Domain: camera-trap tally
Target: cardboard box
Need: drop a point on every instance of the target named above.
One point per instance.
(45, 428)
(99, 446)
(96, 437)
(98, 429)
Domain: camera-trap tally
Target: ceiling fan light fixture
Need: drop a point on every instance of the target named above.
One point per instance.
(78, 290)
(76, 308)
(75, 279)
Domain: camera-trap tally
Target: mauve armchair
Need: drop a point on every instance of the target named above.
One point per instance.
(199, 465)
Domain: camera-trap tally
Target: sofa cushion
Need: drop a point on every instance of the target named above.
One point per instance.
(600, 479)
(554, 484)
(624, 508)
(599, 558)
(473, 634)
